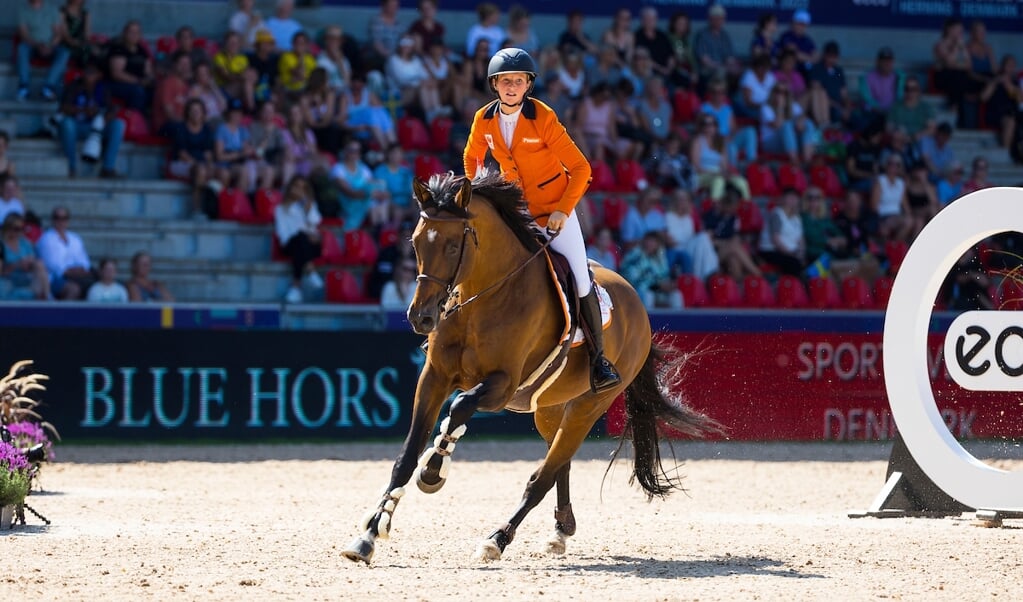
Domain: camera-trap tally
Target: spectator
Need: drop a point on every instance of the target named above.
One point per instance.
(6, 164)
(763, 42)
(572, 75)
(715, 54)
(722, 222)
(863, 159)
(184, 39)
(473, 75)
(788, 75)
(784, 128)
(798, 41)
(978, 176)
(936, 152)
(888, 201)
(295, 65)
(367, 117)
(857, 226)
(821, 235)
(755, 87)
(39, 36)
(282, 26)
(882, 86)
(912, 113)
(486, 28)
(76, 31)
(829, 99)
(142, 288)
(390, 257)
(656, 41)
(603, 249)
(407, 76)
(206, 90)
(63, 253)
(245, 22)
(440, 70)
(595, 122)
(398, 292)
(229, 68)
(679, 35)
(362, 197)
(607, 68)
(952, 65)
(263, 67)
(10, 201)
(87, 113)
(921, 199)
(671, 167)
(574, 38)
(324, 113)
(950, 187)
(655, 110)
(171, 95)
(647, 270)
(709, 158)
(837, 247)
(620, 36)
(1003, 97)
(396, 177)
(333, 60)
(740, 140)
(982, 56)
(427, 30)
(296, 225)
(384, 32)
(633, 140)
(192, 154)
(268, 141)
(130, 68)
(643, 217)
(692, 250)
(519, 33)
(300, 151)
(234, 153)
(107, 289)
(781, 241)
(902, 145)
(22, 269)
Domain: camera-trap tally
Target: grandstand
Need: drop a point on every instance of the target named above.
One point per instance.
(228, 261)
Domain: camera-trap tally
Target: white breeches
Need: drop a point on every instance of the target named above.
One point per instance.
(571, 244)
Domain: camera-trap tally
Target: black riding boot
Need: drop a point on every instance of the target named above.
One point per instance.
(603, 374)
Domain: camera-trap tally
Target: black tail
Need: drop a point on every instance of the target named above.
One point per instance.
(648, 401)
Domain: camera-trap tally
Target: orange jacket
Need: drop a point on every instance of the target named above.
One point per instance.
(543, 159)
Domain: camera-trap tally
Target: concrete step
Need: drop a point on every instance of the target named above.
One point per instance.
(156, 199)
(208, 243)
(43, 157)
(28, 117)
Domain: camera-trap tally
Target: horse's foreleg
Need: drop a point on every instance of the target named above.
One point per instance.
(435, 463)
(377, 523)
(564, 519)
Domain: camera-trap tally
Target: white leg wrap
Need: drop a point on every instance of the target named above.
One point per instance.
(364, 525)
(386, 510)
(384, 526)
(443, 445)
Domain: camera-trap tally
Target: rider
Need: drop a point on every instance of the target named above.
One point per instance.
(529, 143)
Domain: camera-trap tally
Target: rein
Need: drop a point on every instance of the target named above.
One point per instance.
(449, 285)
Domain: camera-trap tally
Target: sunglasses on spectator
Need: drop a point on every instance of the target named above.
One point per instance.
(61, 217)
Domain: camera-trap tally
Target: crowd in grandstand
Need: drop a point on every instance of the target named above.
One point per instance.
(756, 161)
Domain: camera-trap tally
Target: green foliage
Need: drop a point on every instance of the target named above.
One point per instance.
(13, 487)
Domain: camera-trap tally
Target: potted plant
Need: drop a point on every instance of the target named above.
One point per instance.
(15, 477)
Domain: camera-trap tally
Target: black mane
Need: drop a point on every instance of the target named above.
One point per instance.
(504, 196)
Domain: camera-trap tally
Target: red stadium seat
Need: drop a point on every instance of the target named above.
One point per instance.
(1008, 295)
(694, 291)
(137, 130)
(724, 292)
(792, 293)
(412, 134)
(751, 220)
(882, 291)
(33, 232)
(276, 253)
(630, 175)
(761, 180)
(824, 294)
(440, 133)
(791, 176)
(343, 286)
(685, 106)
(895, 251)
(427, 165)
(615, 209)
(359, 249)
(824, 177)
(856, 293)
(387, 237)
(602, 178)
(266, 201)
(757, 292)
(234, 205)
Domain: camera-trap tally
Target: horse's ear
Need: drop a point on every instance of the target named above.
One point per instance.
(464, 194)
(421, 192)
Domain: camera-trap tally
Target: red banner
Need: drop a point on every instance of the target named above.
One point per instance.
(819, 386)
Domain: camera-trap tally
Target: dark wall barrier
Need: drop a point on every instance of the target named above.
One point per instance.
(188, 384)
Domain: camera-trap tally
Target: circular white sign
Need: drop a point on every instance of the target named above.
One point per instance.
(942, 242)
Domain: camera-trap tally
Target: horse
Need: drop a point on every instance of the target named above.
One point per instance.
(490, 309)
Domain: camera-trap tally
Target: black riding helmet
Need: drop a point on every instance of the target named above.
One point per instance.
(511, 60)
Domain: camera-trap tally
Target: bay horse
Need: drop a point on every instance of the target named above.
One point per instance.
(492, 315)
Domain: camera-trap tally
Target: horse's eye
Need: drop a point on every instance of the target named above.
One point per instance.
(451, 249)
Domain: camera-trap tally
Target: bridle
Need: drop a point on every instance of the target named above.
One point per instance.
(449, 284)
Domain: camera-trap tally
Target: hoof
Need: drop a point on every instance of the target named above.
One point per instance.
(556, 544)
(427, 486)
(360, 550)
(488, 551)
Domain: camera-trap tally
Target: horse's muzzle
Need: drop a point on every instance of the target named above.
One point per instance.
(423, 317)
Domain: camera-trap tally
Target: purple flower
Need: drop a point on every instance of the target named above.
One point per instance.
(28, 434)
(12, 459)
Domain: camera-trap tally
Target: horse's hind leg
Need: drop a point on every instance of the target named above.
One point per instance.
(436, 461)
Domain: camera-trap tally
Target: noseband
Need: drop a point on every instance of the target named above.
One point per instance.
(449, 285)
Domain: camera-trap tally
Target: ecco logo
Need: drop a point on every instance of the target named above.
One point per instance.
(984, 350)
